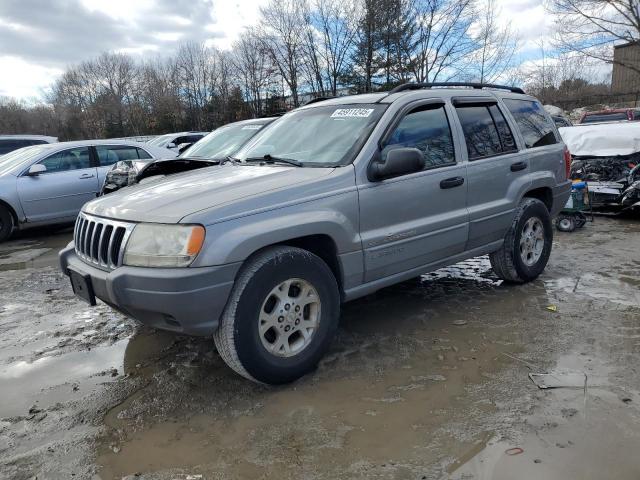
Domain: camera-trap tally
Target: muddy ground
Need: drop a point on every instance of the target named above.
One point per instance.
(426, 380)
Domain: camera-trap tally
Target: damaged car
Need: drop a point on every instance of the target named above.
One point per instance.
(213, 149)
(607, 157)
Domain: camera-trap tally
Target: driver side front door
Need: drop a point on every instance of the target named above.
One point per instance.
(416, 220)
(59, 193)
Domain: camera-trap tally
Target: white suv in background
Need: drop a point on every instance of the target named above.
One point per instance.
(177, 141)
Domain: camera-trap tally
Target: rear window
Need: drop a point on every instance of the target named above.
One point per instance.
(534, 124)
(486, 132)
(108, 155)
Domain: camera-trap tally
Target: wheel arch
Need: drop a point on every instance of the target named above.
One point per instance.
(320, 244)
(11, 211)
(544, 194)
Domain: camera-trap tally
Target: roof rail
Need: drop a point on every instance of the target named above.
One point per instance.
(417, 86)
(316, 100)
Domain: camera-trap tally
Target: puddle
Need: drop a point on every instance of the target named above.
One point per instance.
(425, 380)
(53, 379)
(572, 434)
(33, 249)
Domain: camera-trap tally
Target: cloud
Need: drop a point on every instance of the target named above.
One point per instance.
(40, 38)
(56, 33)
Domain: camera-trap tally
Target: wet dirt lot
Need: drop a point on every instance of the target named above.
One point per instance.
(425, 380)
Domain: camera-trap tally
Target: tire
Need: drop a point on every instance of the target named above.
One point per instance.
(6, 223)
(512, 262)
(260, 338)
(566, 223)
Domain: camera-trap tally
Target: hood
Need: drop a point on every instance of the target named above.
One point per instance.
(171, 199)
(602, 140)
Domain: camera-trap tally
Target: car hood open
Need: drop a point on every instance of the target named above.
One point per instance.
(175, 197)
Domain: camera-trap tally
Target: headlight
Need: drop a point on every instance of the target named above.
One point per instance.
(159, 245)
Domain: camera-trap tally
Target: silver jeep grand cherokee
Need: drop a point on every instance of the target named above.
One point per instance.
(334, 201)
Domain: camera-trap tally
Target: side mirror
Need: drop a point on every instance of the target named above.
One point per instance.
(171, 145)
(37, 169)
(399, 161)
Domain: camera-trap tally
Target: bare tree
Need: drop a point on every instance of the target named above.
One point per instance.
(335, 22)
(282, 33)
(496, 45)
(592, 27)
(253, 67)
(441, 40)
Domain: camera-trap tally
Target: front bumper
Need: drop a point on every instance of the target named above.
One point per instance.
(186, 300)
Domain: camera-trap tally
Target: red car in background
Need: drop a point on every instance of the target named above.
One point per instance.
(612, 115)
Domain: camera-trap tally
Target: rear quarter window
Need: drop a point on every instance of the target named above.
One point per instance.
(535, 126)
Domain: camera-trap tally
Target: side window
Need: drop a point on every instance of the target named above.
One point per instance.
(427, 129)
(480, 131)
(73, 159)
(534, 124)
(506, 135)
(108, 155)
(143, 154)
(181, 140)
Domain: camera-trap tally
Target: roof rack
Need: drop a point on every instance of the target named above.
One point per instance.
(317, 99)
(478, 86)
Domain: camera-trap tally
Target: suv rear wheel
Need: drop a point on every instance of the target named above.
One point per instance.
(6, 223)
(281, 316)
(527, 245)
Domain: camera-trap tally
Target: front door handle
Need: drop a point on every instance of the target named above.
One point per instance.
(516, 167)
(86, 175)
(451, 182)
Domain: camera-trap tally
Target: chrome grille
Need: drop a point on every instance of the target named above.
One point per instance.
(100, 241)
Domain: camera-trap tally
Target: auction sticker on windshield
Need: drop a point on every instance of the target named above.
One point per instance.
(352, 113)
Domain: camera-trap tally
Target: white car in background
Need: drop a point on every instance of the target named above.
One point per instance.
(9, 143)
(48, 184)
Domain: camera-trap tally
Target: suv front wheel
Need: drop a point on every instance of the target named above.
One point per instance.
(281, 316)
(527, 245)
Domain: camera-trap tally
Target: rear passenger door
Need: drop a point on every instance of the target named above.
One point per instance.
(108, 155)
(414, 220)
(497, 170)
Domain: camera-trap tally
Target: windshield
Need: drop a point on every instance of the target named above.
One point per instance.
(17, 157)
(222, 142)
(317, 136)
(162, 140)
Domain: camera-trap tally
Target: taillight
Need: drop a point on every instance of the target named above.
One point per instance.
(567, 162)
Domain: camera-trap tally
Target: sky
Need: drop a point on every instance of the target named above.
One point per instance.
(40, 38)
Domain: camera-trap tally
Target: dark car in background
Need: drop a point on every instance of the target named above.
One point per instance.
(216, 147)
(611, 115)
(9, 143)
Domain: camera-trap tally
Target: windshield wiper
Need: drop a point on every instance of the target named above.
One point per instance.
(271, 159)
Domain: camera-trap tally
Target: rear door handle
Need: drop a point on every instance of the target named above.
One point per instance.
(451, 182)
(86, 175)
(516, 167)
